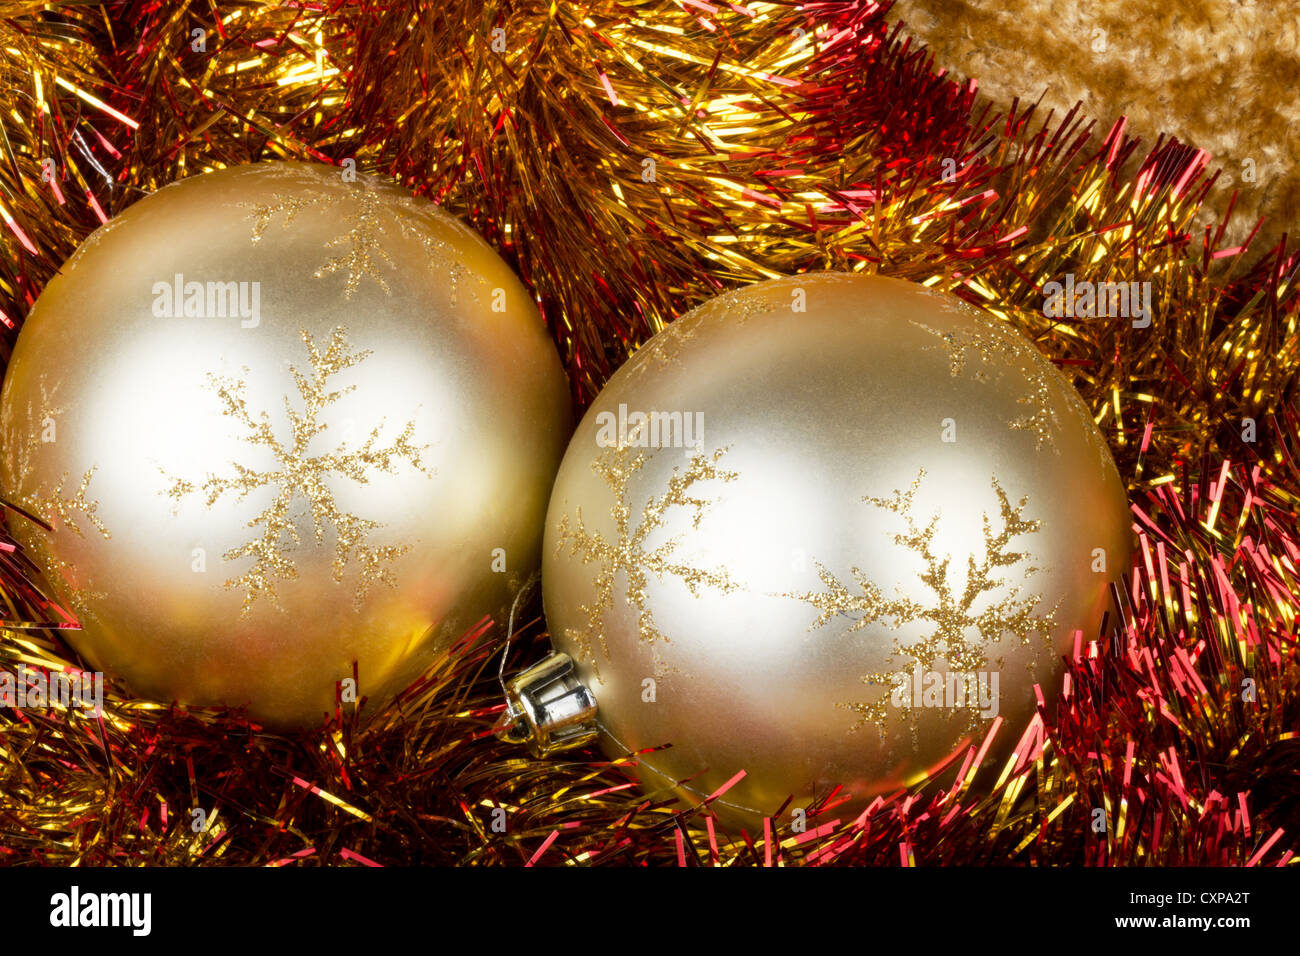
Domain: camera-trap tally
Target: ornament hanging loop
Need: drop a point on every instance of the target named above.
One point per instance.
(548, 708)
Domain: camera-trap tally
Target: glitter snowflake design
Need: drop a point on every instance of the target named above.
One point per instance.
(628, 554)
(69, 511)
(987, 344)
(369, 226)
(363, 241)
(991, 346)
(60, 507)
(952, 614)
(666, 347)
(300, 474)
(64, 509)
(24, 445)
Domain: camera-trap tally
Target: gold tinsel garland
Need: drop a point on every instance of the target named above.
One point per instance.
(630, 159)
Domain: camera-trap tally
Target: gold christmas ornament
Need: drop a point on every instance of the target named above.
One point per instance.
(822, 530)
(281, 419)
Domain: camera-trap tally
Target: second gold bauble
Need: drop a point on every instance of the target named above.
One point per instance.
(804, 518)
(282, 421)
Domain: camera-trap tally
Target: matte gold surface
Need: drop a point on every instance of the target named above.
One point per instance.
(750, 601)
(246, 502)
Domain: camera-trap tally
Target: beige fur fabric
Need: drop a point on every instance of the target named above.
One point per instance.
(1221, 75)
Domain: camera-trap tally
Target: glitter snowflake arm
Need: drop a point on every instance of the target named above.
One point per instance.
(357, 463)
(992, 349)
(364, 241)
(287, 206)
(231, 393)
(301, 473)
(981, 577)
(65, 507)
(628, 553)
(837, 599)
(951, 616)
(700, 468)
(658, 563)
(269, 552)
(581, 542)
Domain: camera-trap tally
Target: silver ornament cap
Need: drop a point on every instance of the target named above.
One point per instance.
(548, 709)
